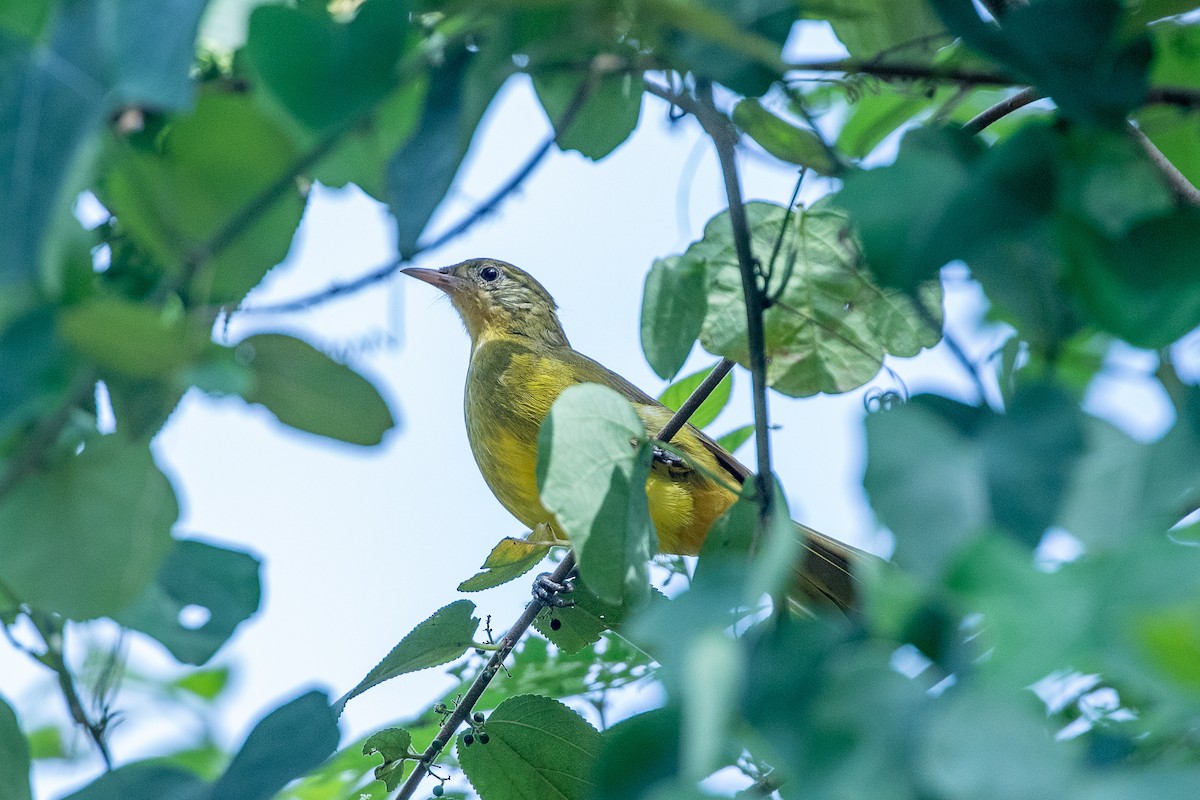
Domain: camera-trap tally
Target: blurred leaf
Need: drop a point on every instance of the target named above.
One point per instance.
(24, 19)
(606, 119)
(363, 153)
(675, 395)
(782, 139)
(736, 438)
(713, 684)
(143, 779)
(673, 308)
(14, 757)
(420, 173)
(875, 115)
(593, 463)
(308, 390)
(638, 753)
(284, 745)
(210, 168)
(925, 479)
(509, 560)
(37, 369)
(1144, 287)
(1175, 131)
(46, 742)
(327, 72)
(535, 744)
(196, 576)
(737, 45)
(819, 337)
(110, 508)
(906, 29)
(1012, 757)
(1030, 453)
(574, 627)
(903, 242)
(443, 637)
(207, 684)
(140, 341)
(56, 94)
(1072, 50)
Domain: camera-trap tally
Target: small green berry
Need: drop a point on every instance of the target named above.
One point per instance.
(479, 651)
(477, 716)
(555, 624)
(483, 738)
(438, 744)
(468, 739)
(438, 791)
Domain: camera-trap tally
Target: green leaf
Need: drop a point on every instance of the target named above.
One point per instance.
(925, 479)
(782, 139)
(56, 94)
(143, 779)
(37, 369)
(675, 395)
(1144, 287)
(284, 745)
(14, 757)
(577, 626)
(420, 174)
(197, 576)
(736, 438)
(819, 332)
(308, 390)
(713, 683)
(737, 45)
(110, 509)
(903, 241)
(639, 752)
(395, 745)
(1030, 453)
(1011, 757)
(207, 684)
(1072, 50)
(325, 72)
(139, 341)
(673, 309)
(593, 463)
(537, 747)
(208, 169)
(607, 117)
(904, 30)
(443, 637)
(876, 115)
(509, 560)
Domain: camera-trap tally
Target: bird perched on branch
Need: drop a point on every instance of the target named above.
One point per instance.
(521, 361)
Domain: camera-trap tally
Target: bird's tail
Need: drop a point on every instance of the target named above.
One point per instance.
(825, 574)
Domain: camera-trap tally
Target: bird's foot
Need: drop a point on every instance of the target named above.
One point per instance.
(550, 592)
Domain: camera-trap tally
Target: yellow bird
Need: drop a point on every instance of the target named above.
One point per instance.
(521, 361)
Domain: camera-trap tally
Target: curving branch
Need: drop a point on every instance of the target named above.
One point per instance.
(1002, 109)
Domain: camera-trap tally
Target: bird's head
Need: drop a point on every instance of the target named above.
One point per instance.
(496, 299)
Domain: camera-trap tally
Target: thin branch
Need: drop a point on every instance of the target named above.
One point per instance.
(484, 209)
(725, 139)
(1184, 189)
(506, 644)
(480, 684)
(1001, 109)
(694, 400)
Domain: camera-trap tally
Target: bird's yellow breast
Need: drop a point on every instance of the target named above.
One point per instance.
(510, 388)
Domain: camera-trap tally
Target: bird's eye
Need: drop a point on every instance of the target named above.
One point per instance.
(489, 274)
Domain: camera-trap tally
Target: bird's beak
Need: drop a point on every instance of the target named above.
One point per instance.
(442, 278)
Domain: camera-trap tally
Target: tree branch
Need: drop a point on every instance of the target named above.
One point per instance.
(1184, 189)
(694, 400)
(1002, 109)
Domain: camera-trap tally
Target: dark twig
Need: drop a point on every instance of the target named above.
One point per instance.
(506, 644)
(481, 682)
(1001, 109)
(694, 400)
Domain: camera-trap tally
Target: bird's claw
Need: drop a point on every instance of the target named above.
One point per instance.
(550, 592)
